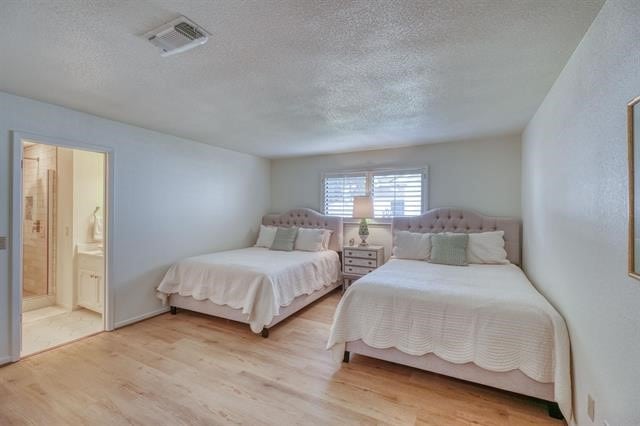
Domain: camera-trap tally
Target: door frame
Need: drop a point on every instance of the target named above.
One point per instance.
(16, 229)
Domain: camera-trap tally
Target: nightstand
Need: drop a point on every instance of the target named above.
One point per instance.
(359, 261)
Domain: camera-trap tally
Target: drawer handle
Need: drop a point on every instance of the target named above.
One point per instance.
(370, 254)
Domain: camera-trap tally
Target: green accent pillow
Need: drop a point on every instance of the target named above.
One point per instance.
(448, 249)
(284, 239)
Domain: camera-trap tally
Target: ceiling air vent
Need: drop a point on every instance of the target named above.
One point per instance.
(177, 36)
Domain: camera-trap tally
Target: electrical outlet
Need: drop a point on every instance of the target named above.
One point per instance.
(591, 407)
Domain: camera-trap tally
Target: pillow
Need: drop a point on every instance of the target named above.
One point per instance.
(284, 240)
(309, 239)
(327, 239)
(411, 245)
(266, 236)
(487, 247)
(449, 249)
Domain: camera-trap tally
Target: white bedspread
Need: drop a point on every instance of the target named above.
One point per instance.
(257, 280)
(490, 315)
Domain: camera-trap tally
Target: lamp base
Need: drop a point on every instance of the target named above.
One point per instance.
(363, 232)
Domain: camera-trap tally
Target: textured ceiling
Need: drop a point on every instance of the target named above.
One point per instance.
(283, 78)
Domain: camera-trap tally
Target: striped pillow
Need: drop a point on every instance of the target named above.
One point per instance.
(449, 249)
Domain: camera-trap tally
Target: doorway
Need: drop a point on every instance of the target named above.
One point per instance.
(62, 207)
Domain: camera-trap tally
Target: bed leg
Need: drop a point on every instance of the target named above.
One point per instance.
(265, 332)
(554, 411)
(174, 310)
(346, 356)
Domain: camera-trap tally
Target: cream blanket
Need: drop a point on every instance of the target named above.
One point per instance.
(490, 315)
(257, 280)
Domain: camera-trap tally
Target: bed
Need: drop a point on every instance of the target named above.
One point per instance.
(481, 323)
(255, 285)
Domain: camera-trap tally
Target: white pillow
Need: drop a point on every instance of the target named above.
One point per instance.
(266, 236)
(412, 245)
(487, 247)
(327, 239)
(309, 239)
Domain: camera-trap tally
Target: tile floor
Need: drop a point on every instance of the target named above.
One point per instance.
(52, 326)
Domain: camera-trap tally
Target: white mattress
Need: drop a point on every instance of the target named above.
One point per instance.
(257, 280)
(490, 315)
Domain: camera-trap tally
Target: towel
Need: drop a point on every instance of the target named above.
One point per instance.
(98, 227)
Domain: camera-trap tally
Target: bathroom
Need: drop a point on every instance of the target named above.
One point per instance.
(63, 234)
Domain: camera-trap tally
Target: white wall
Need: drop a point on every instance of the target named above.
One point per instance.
(575, 212)
(482, 175)
(88, 192)
(174, 198)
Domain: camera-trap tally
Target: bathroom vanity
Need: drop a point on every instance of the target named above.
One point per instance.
(90, 278)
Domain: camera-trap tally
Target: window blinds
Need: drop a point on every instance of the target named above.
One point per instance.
(339, 190)
(394, 192)
(397, 193)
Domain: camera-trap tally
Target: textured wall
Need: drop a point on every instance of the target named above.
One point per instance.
(174, 198)
(482, 175)
(575, 212)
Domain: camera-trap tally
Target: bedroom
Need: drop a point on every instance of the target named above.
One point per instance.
(510, 109)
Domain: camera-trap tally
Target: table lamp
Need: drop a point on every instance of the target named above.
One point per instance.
(363, 209)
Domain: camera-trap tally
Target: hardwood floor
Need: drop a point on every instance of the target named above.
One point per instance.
(193, 369)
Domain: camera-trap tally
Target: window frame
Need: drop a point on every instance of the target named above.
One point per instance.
(369, 173)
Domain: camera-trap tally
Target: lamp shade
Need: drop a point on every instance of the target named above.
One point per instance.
(362, 207)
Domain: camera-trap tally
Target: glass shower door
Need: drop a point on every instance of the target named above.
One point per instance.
(39, 192)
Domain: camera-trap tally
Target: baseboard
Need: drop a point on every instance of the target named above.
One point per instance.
(5, 360)
(37, 302)
(142, 317)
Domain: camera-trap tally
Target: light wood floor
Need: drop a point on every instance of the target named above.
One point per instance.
(193, 369)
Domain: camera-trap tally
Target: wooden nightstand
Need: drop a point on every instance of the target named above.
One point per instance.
(359, 261)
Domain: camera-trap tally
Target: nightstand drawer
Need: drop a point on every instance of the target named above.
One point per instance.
(360, 262)
(357, 270)
(367, 254)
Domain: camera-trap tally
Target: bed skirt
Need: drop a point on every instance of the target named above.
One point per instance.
(513, 381)
(227, 312)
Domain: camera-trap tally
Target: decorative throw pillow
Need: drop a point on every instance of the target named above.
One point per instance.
(449, 249)
(411, 245)
(266, 236)
(309, 239)
(487, 247)
(285, 239)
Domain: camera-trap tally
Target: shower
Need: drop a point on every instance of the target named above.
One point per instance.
(39, 192)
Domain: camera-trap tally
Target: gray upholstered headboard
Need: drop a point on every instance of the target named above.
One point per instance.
(308, 218)
(460, 220)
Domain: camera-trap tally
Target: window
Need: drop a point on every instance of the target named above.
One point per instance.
(397, 194)
(394, 192)
(339, 190)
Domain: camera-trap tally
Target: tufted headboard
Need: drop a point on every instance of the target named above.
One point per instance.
(308, 218)
(459, 220)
